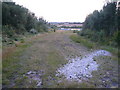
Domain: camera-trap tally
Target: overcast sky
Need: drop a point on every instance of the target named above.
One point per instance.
(62, 10)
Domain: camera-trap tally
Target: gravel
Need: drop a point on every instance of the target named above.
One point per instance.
(79, 69)
(36, 76)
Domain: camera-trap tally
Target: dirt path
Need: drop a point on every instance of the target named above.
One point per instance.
(39, 64)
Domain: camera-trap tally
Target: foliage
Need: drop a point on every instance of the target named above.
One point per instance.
(103, 20)
(94, 35)
(18, 20)
(102, 26)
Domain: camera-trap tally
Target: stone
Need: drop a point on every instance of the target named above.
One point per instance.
(39, 84)
(83, 68)
(33, 31)
(34, 75)
(29, 72)
(103, 81)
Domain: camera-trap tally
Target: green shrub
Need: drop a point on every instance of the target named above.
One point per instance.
(100, 37)
(8, 31)
(87, 33)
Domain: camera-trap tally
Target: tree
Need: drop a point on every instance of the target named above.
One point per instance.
(103, 25)
(18, 20)
(103, 20)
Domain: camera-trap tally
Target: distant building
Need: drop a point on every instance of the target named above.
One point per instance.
(68, 24)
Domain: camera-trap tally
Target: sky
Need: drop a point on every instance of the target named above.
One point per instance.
(62, 10)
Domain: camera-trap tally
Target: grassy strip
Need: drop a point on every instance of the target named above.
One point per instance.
(90, 44)
(15, 67)
(110, 49)
(10, 64)
(82, 41)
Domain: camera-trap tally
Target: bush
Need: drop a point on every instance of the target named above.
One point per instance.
(8, 31)
(110, 43)
(96, 36)
(87, 33)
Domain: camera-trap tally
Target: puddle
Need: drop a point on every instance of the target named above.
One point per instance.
(79, 69)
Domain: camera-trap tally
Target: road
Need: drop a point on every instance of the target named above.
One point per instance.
(39, 64)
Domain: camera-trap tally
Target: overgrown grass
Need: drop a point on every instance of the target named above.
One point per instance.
(14, 67)
(111, 49)
(10, 41)
(95, 45)
(53, 61)
(74, 84)
(10, 64)
(45, 58)
(82, 41)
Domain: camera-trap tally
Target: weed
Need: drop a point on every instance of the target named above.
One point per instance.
(11, 64)
(83, 41)
(110, 49)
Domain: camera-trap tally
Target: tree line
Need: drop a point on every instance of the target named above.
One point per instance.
(17, 20)
(104, 25)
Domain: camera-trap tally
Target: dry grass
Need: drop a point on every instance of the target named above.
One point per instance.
(44, 52)
(40, 56)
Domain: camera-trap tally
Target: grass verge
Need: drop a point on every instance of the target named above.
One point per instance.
(10, 64)
(82, 41)
(93, 45)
